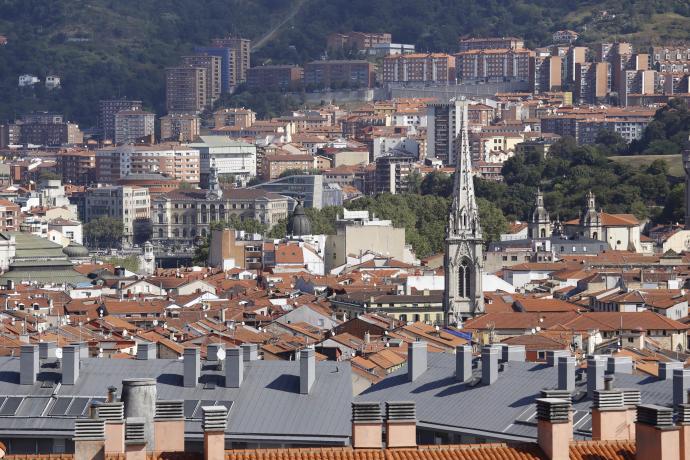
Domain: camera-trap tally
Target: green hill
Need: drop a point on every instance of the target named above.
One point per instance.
(111, 48)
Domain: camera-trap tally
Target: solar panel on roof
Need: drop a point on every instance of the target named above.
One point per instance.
(198, 413)
(33, 406)
(2, 400)
(190, 407)
(11, 405)
(60, 406)
(579, 416)
(78, 407)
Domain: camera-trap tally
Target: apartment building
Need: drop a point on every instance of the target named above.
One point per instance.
(77, 167)
(173, 160)
(545, 74)
(130, 204)
(275, 77)
(469, 44)
(236, 117)
(108, 108)
(392, 172)
(356, 40)
(592, 82)
(132, 125)
(212, 64)
(230, 157)
(621, 63)
(419, 67)
(324, 74)
(670, 59)
(584, 126)
(275, 165)
(242, 49)
(494, 64)
(50, 134)
(185, 89)
(574, 55)
(636, 82)
(10, 216)
(228, 65)
(181, 127)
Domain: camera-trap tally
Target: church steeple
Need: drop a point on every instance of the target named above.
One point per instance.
(590, 220)
(464, 262)
(540, 225)
(214, 190)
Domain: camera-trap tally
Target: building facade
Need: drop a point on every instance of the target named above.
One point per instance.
(131, 125)
(494, 65)
(108, 108)
(230, 157)
(77, 167)
(333, 73)
(444, 123)
(433, 67)
(132, 205)
(172, 160)
(185, 89)
(282, 77)
(181, 127)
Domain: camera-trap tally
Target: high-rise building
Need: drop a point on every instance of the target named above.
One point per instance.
(77, 167)
(670, 59)
(131, 125)
(545, 74)
(282, 77)
(592, 84)
(494, 64)
(228, 65)
(621, 63)
(355, 41)
(182, 127)
(242, 48)
(185, 89)
(637, 82)
(327, 73)
(444, 123)
(463, 262)
(107, 108)
(392, 172)
(575, 55)
(230, 157)
(212, 64)
(173, 160)
(419, 67)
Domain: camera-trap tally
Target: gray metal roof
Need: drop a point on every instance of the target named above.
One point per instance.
(268, 405)
(504, 410)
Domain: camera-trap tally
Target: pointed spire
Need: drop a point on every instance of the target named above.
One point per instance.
(464, 219)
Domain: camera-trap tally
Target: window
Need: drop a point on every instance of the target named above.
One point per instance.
(464, 275)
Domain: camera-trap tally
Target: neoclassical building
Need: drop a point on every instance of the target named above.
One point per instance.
(181, 216)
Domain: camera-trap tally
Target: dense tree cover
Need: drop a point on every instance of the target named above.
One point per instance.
(116, 48)
(566, 176)
(266, 104)
(667, 133)
(103, 231)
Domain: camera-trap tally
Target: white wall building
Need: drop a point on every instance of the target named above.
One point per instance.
(230, 157)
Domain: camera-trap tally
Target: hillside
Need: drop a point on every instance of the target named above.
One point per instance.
(111, 48)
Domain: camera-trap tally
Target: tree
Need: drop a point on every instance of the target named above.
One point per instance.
(414, 182)
(104, 231)
(492, 220)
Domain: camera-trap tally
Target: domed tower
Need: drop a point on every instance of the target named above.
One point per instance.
(540, 225)
(214, 190)
(590, 220)
(299, 224)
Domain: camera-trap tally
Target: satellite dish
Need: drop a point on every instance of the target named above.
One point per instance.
(58, 353)
(221, 354)
(155, 322)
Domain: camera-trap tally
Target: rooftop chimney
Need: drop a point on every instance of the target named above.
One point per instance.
(28, 364)
(666, 369)
(214, 423)
(83, 348)
(114, 415)
(250, 351)
(553, 355)
(135, 438)
(655, 436)
(609, 415)
(367, 425)
(619, 365)
(192, 367)
(463, 363)
(566, 373)
(489, 365)
(681, 383)
(416, 360)
(684, 423)
(168, 426)
(89, 438)
(595, 376)
(631, 399)
(307, 370)
(146, 350)
(554, 427)
(139, 397)
(46, 350)
(401, 424)
(514, 353)
(234, 368)
(70, 364)
(212, 351)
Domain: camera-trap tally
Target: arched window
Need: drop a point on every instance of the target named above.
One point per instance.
(160, 233)
(464, 279)
(595, 235)
(543, 233)
(176, 219)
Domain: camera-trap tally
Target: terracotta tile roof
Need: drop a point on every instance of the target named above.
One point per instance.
(545, 305)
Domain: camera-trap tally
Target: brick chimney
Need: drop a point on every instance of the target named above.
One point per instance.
(168, 426)
(655, 436)
(401, 424)
(367, 425)
(609, 414)
(114, 415)
(214, 423)
(554, 427)
(683, 412)
(89, 439)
